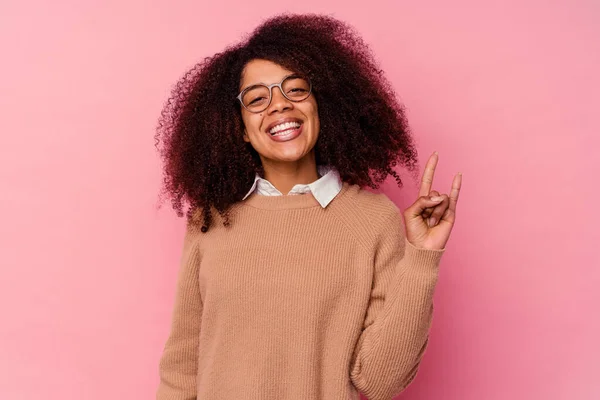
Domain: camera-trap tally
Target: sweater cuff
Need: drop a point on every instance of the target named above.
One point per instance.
(420, 258)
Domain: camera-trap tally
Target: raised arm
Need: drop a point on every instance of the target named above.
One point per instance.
(399, 315)
(396, 329)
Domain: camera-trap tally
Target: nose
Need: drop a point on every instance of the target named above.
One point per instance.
(278, 101)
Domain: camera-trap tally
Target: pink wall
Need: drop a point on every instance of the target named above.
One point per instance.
(507, 93)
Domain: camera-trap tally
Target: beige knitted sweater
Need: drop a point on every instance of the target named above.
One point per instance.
(294, 301)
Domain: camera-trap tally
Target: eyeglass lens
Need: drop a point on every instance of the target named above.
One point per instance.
(295, 88)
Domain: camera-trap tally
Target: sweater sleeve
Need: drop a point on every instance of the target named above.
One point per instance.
(396, 327)
(178, 365)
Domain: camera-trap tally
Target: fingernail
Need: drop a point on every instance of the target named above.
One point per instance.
(431, 222)
(436, 198)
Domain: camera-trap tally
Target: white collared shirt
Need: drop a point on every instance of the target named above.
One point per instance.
(323, 189)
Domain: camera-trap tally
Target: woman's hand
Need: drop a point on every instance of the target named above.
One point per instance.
(429, 220)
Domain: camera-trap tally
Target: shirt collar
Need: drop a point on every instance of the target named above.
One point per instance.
(323, 189)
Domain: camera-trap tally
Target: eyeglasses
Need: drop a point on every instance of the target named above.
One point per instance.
(257, 98)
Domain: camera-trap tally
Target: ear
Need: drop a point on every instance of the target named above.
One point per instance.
(246, 137)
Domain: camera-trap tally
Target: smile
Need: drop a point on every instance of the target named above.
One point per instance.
(278, 129)
(286, 132)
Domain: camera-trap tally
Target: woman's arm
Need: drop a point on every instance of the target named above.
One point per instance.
(179, 362)
(396, 327)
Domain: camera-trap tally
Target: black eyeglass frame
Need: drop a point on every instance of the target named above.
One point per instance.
(271, 86)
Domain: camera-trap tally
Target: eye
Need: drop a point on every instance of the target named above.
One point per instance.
(256, 100)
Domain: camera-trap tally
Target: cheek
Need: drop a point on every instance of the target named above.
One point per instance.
(252, 122)
(314, 112)
(256, 121)
(315, 117)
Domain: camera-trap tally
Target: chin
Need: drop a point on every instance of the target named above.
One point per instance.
(287, 157)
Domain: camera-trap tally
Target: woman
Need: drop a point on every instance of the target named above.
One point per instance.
(295, 282)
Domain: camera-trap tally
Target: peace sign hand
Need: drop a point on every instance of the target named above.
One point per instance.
(431, 206)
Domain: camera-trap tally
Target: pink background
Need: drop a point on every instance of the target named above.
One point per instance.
(506, 91)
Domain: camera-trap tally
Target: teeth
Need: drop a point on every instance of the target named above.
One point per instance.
(282, 127)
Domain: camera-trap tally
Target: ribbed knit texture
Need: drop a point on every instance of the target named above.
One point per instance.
(294, 301)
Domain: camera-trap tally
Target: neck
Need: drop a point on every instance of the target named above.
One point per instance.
(284, 175)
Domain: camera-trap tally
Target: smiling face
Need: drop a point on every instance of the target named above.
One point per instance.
(290, 143)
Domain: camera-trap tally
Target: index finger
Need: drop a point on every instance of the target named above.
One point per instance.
(427, 179)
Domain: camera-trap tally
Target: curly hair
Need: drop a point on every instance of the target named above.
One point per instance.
(364, 133)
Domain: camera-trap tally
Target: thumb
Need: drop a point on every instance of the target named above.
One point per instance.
(423, 202)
